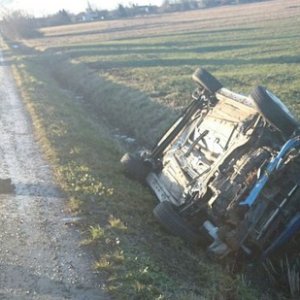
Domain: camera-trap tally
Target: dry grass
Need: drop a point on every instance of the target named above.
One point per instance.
(285, 273)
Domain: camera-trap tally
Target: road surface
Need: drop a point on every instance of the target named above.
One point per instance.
(40, 256)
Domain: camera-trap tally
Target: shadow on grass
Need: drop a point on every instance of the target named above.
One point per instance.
(154, 50)
(152, 36)
(16, 51)
(8, 59)
(193, 33)
(192, 62)
(159, 25)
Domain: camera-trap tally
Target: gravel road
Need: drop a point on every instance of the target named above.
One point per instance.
(40, 256)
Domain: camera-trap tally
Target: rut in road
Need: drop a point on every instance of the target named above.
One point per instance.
(40, 257)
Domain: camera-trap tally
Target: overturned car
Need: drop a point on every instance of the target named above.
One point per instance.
(227, 173)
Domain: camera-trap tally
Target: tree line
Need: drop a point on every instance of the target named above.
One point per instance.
(21, 25)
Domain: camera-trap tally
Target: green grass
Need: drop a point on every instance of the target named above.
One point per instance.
(133, 255)
(244, 46)
(241, 63)
(81, 82)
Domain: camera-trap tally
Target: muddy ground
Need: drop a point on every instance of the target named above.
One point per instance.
(40, 253)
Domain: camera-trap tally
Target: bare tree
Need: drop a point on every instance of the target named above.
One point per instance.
(17, 24)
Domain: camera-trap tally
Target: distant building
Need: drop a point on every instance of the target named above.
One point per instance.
(145, 9)
(89, 16)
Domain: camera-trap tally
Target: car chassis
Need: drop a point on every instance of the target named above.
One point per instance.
(227, 172)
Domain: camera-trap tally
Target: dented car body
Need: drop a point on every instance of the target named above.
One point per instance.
(227, 173)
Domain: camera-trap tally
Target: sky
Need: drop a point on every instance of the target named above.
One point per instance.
(40, 8)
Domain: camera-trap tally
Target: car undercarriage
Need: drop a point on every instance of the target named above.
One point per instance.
(227, 172)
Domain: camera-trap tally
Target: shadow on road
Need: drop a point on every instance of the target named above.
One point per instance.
(17, 281)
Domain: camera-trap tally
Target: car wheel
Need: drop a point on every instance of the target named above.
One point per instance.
(206, 80)
(134, 166)
(274, 110)
(165, 213)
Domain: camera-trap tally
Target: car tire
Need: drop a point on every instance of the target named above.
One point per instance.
(134, 166)
(274, 111)
(206, 80)
(165, 213)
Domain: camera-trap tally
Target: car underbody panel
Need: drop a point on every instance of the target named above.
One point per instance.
(196, 156)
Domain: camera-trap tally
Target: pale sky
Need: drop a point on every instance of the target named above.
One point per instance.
(38, 7)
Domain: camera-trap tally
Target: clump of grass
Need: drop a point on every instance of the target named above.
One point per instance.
(96, 232)
(74, 205)
(293, 276)
(116, 223)
(103, 264)
(286, 274)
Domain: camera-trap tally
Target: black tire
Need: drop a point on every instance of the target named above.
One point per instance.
(170, 219)
(206, 80)
(134, 166)
(274, 111)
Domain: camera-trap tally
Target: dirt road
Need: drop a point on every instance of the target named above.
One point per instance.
(40, 256)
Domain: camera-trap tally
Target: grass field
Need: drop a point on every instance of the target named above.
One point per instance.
(81, 81)
(243, 45)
